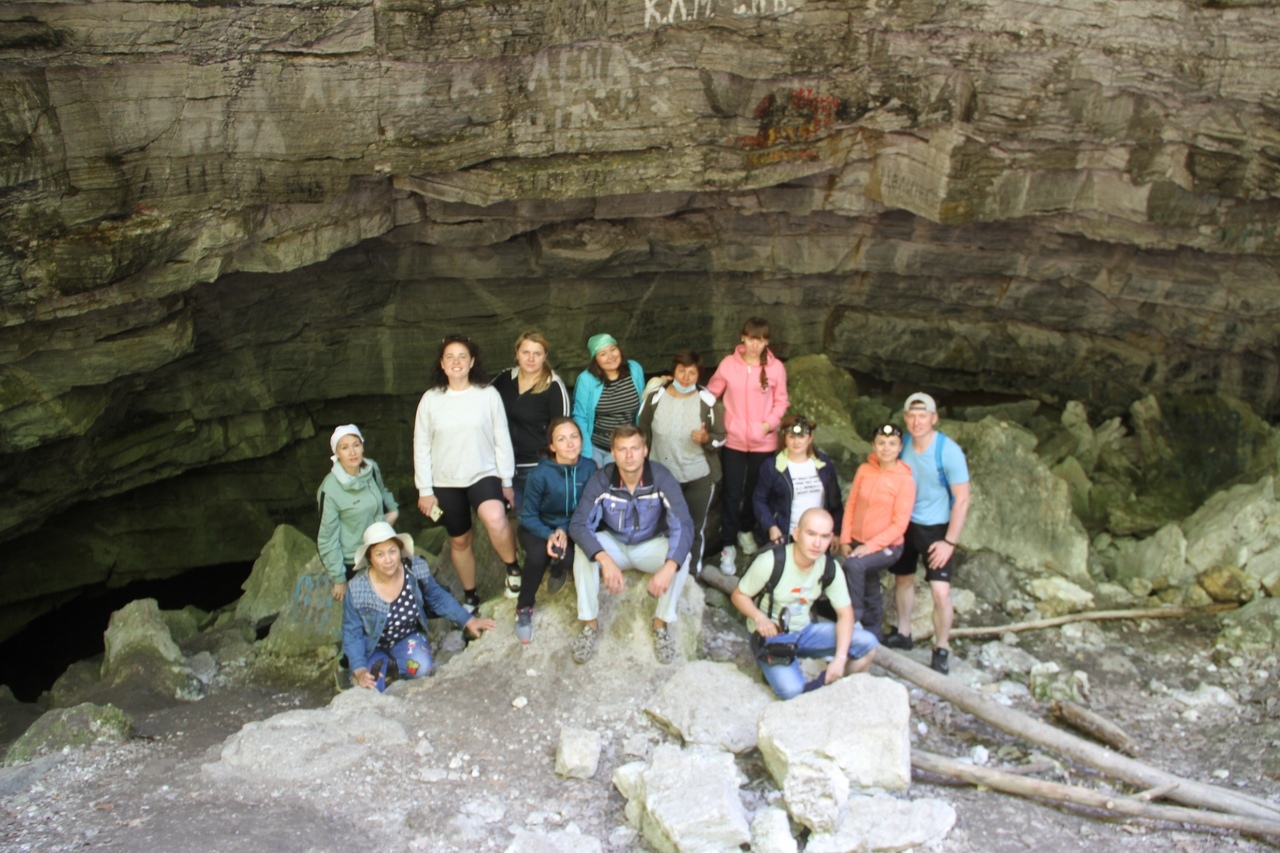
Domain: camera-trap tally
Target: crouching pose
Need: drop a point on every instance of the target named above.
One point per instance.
(787, 580)
(384, 615)
(632, 515)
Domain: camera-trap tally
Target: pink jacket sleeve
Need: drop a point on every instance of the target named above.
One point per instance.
(778, 379)
(717, 383)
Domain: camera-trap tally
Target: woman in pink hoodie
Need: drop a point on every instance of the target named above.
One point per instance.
(753, 383)
(875, 519)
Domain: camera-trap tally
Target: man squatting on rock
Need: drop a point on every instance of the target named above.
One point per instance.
(850, 647)
(632, 515)
(937, 518)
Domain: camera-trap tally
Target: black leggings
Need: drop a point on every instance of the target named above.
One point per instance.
(741, 470)
(536, 560)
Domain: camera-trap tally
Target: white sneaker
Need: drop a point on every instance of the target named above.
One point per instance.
(729, 560)
(747, 543)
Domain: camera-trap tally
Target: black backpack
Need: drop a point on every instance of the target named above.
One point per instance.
(779, 566)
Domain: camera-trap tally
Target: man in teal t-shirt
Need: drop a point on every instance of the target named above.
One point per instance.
(942, 503)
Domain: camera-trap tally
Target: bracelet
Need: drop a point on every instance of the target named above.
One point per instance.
(949, 542)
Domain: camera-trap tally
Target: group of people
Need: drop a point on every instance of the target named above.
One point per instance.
(626, 477)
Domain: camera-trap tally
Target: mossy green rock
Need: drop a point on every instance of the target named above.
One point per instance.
(138, 628)
(821, 391)
(83, 725)
(272, 583)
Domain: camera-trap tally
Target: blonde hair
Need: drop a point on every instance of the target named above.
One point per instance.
(534, 336)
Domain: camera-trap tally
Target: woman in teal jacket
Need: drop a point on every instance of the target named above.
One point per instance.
(551, 496)
(602, 400)
(352, 496)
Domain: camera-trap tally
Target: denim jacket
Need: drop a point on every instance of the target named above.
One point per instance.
(364, 613)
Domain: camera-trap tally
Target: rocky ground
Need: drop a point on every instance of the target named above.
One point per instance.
(464, 761)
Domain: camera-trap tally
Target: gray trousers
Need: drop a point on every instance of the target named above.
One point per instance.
(647, 556)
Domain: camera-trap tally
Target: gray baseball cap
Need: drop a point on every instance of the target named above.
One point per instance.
(924, 400)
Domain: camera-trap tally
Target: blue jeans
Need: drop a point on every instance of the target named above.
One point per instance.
(815, 640)
(412, 656)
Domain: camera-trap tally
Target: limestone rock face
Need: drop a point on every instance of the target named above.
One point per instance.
(227, 226)
(1018, 508)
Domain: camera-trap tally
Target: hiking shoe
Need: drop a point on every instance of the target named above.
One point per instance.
(524, 624)
(584, 646)
(513, 582)
(664, 645)
(941, 661)
(556, 580)
(729, 560)
(747, 543)
(894, 640)
(471, 601)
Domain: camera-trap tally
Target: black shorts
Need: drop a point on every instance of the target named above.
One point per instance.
(458, 503)
(916, 545)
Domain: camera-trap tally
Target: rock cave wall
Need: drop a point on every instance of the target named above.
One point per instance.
(225, 228)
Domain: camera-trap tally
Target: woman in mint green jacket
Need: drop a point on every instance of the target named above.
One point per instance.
(352, 497)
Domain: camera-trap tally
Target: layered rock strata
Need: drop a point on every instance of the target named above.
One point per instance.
(226, 227)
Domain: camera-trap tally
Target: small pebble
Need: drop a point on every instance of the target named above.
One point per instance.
(1221, 773)
(519, 702)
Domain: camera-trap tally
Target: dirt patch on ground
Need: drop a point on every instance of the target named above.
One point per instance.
(478, 764)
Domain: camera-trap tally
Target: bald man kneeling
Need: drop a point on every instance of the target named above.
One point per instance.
(784, 632)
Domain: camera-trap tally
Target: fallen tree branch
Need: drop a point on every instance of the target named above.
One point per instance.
(1095, 725)
(1095, 616)
(1188, 792)
(1040, 789)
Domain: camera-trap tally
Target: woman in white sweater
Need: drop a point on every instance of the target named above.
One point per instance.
(463, 460)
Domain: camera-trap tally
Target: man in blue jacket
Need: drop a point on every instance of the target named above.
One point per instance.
(632, 515)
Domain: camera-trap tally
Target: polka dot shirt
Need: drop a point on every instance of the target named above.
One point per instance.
(402, 618)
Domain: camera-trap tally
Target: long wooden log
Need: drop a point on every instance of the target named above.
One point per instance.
(1094, 616)
(1095, 725)
(1022, 786)
(1188, 791)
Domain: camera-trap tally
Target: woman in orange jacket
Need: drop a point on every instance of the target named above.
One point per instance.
(875, 519)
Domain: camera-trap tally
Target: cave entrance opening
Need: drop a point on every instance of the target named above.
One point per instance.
(32, 660)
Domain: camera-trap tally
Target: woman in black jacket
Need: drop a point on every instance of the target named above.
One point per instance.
(800, 477)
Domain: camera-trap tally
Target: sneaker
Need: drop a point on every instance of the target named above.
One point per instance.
(894, 640)
(556, 581)
(729, 560)
(524, 624)
(513, 582)
(584, 646)
(941, 661)
(664, 645)
(471, 601)
(747, 543)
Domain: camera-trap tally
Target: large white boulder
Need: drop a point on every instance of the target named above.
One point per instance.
(687, 800)
(711, 703)
(882, 823)
(860, 723)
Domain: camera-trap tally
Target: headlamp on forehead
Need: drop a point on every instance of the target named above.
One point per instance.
(889, 429)
(801, 427)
